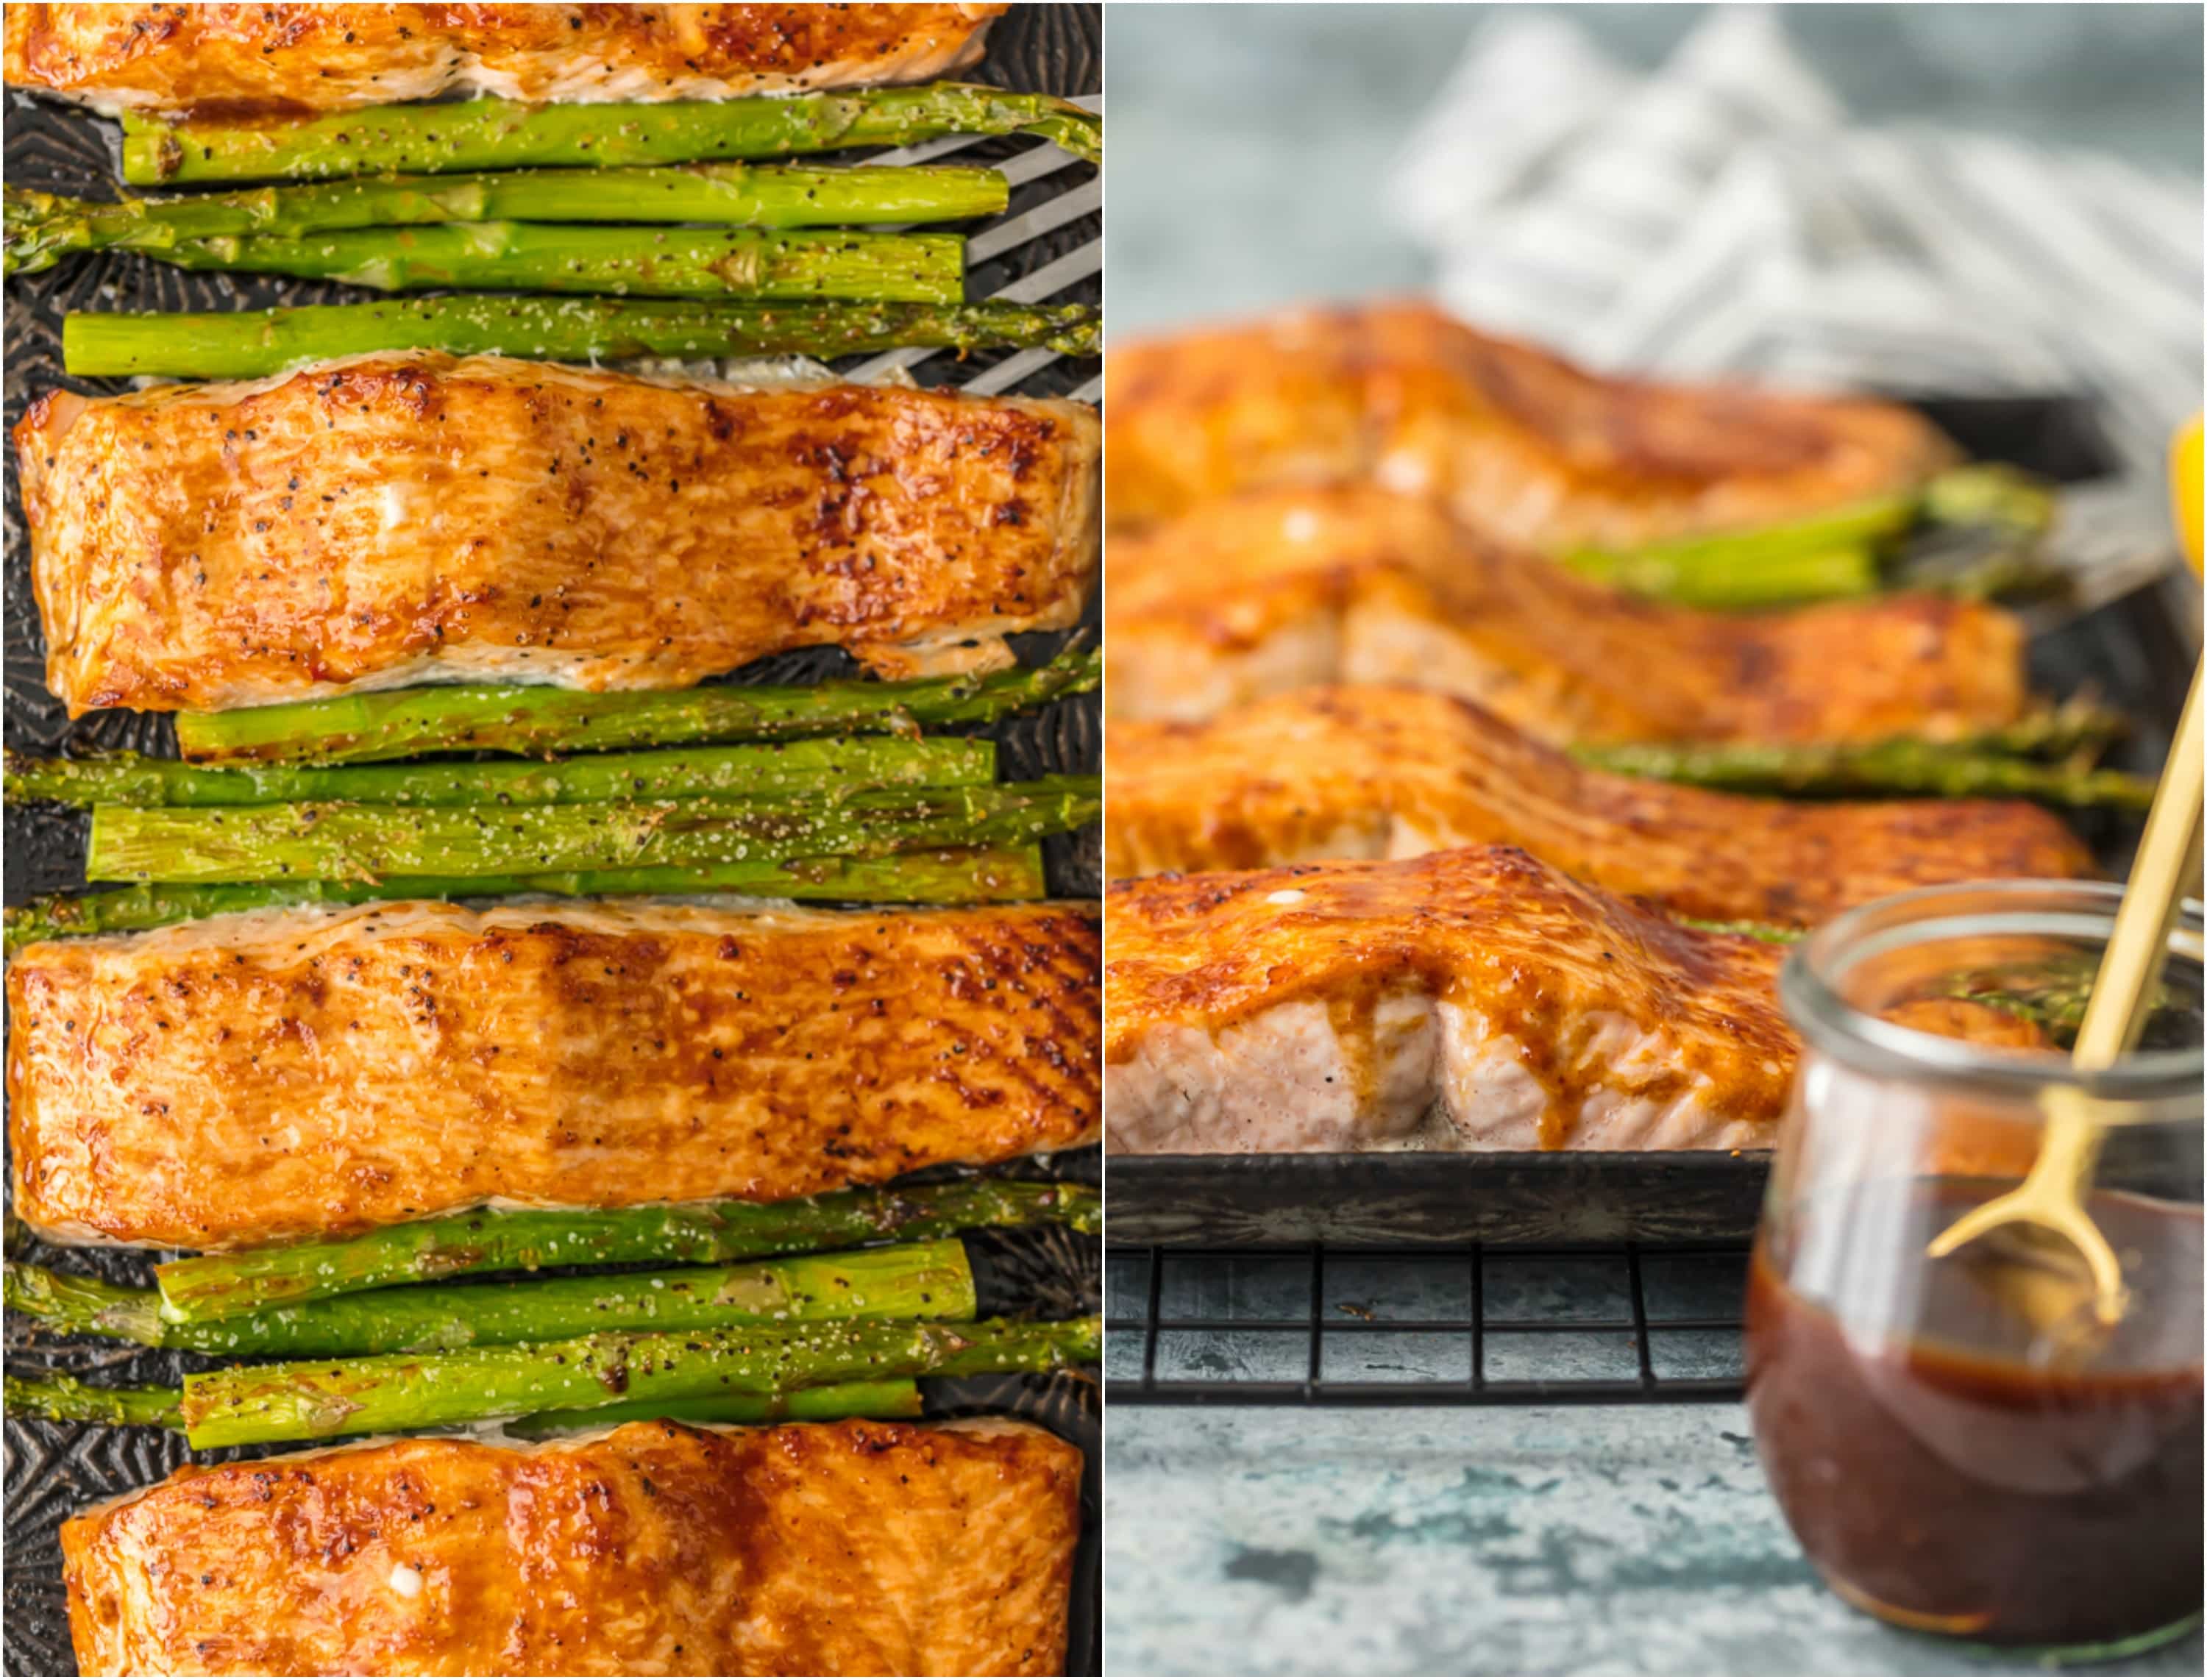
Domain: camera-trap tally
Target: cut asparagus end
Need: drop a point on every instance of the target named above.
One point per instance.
(61, 1399)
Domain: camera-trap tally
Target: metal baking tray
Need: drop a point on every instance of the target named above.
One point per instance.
(1054, 230)
(2134, 652)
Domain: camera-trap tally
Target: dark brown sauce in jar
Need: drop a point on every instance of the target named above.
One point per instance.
(1952, 1462)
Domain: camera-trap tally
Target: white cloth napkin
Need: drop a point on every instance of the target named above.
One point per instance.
(1724, 215)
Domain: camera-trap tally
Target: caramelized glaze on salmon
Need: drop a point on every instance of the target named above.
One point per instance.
(401, 518)
(846, 1548)
(1361, 772)
(1521, 443)
(1466, 1000)
(1287, 587)
(248, 1079)
(275, 59)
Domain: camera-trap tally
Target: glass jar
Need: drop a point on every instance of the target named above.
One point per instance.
(1959, 1444)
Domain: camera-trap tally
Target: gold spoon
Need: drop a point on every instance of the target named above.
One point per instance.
(2051, 1195)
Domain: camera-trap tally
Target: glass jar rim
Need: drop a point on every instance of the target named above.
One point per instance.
(1810, 986)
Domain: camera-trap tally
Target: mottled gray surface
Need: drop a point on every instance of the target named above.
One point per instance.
(1248, 141)
(1504, 1540)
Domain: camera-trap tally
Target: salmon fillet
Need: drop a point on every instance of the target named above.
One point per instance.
(1467, 1000)
(249, 1078)
(400, 518)
(657, 1548)
(1287, 587)
(1520, 443)
(1367, 773)
(279, 59)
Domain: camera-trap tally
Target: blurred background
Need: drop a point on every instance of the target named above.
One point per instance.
(1930, 200)
(1253, 146)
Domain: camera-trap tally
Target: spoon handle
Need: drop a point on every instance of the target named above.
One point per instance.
(2115, 1012)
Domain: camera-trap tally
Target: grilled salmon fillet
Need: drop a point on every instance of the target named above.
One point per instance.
(1522, 444)
(1466, 1000)
(395, 519)
(280, 59)
(1287, 587)
(656, 1548)
(1366, 773)
(286, 1074)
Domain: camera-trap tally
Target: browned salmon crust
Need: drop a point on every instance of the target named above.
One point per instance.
(249, 1078)
(848, 1548)
(1286, 587)
(1473, 999)
(393, 519)
(274, 59)
(1519, 442)
(1386, 772)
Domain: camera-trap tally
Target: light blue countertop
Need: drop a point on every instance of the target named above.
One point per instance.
(1475, 1540)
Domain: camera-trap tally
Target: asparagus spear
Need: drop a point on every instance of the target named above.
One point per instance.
(1828, 553)
(499, 135)
(43, 227)
(248, 345)
(641, 261)
(889, 1397)
(1874, 768)
(216, 1286)
(956, 876)
(794, 767)
(67, 1400)
(1761, 931)
(399, 723)
(1989, 492)
(311, 1399)
(924, 1280)
(342, 842)
(1735, 581)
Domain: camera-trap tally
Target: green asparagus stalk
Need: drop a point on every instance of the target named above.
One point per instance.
(1763, 931)
(501, 134)
(956, 876)
(67, 1400)
(638, 262)
(312, 1400)
(925, 1281)
(1988, 493)
(890, 1398)
(812, 767)
(1735, 581)
(1821, 556)
(64, 1399)
(364, 843)
(401, 723)
(1873, 769)
(249, 344)
(219, 1286)
(42, 228)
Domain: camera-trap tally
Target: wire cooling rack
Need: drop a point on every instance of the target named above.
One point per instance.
(1479, 1326)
